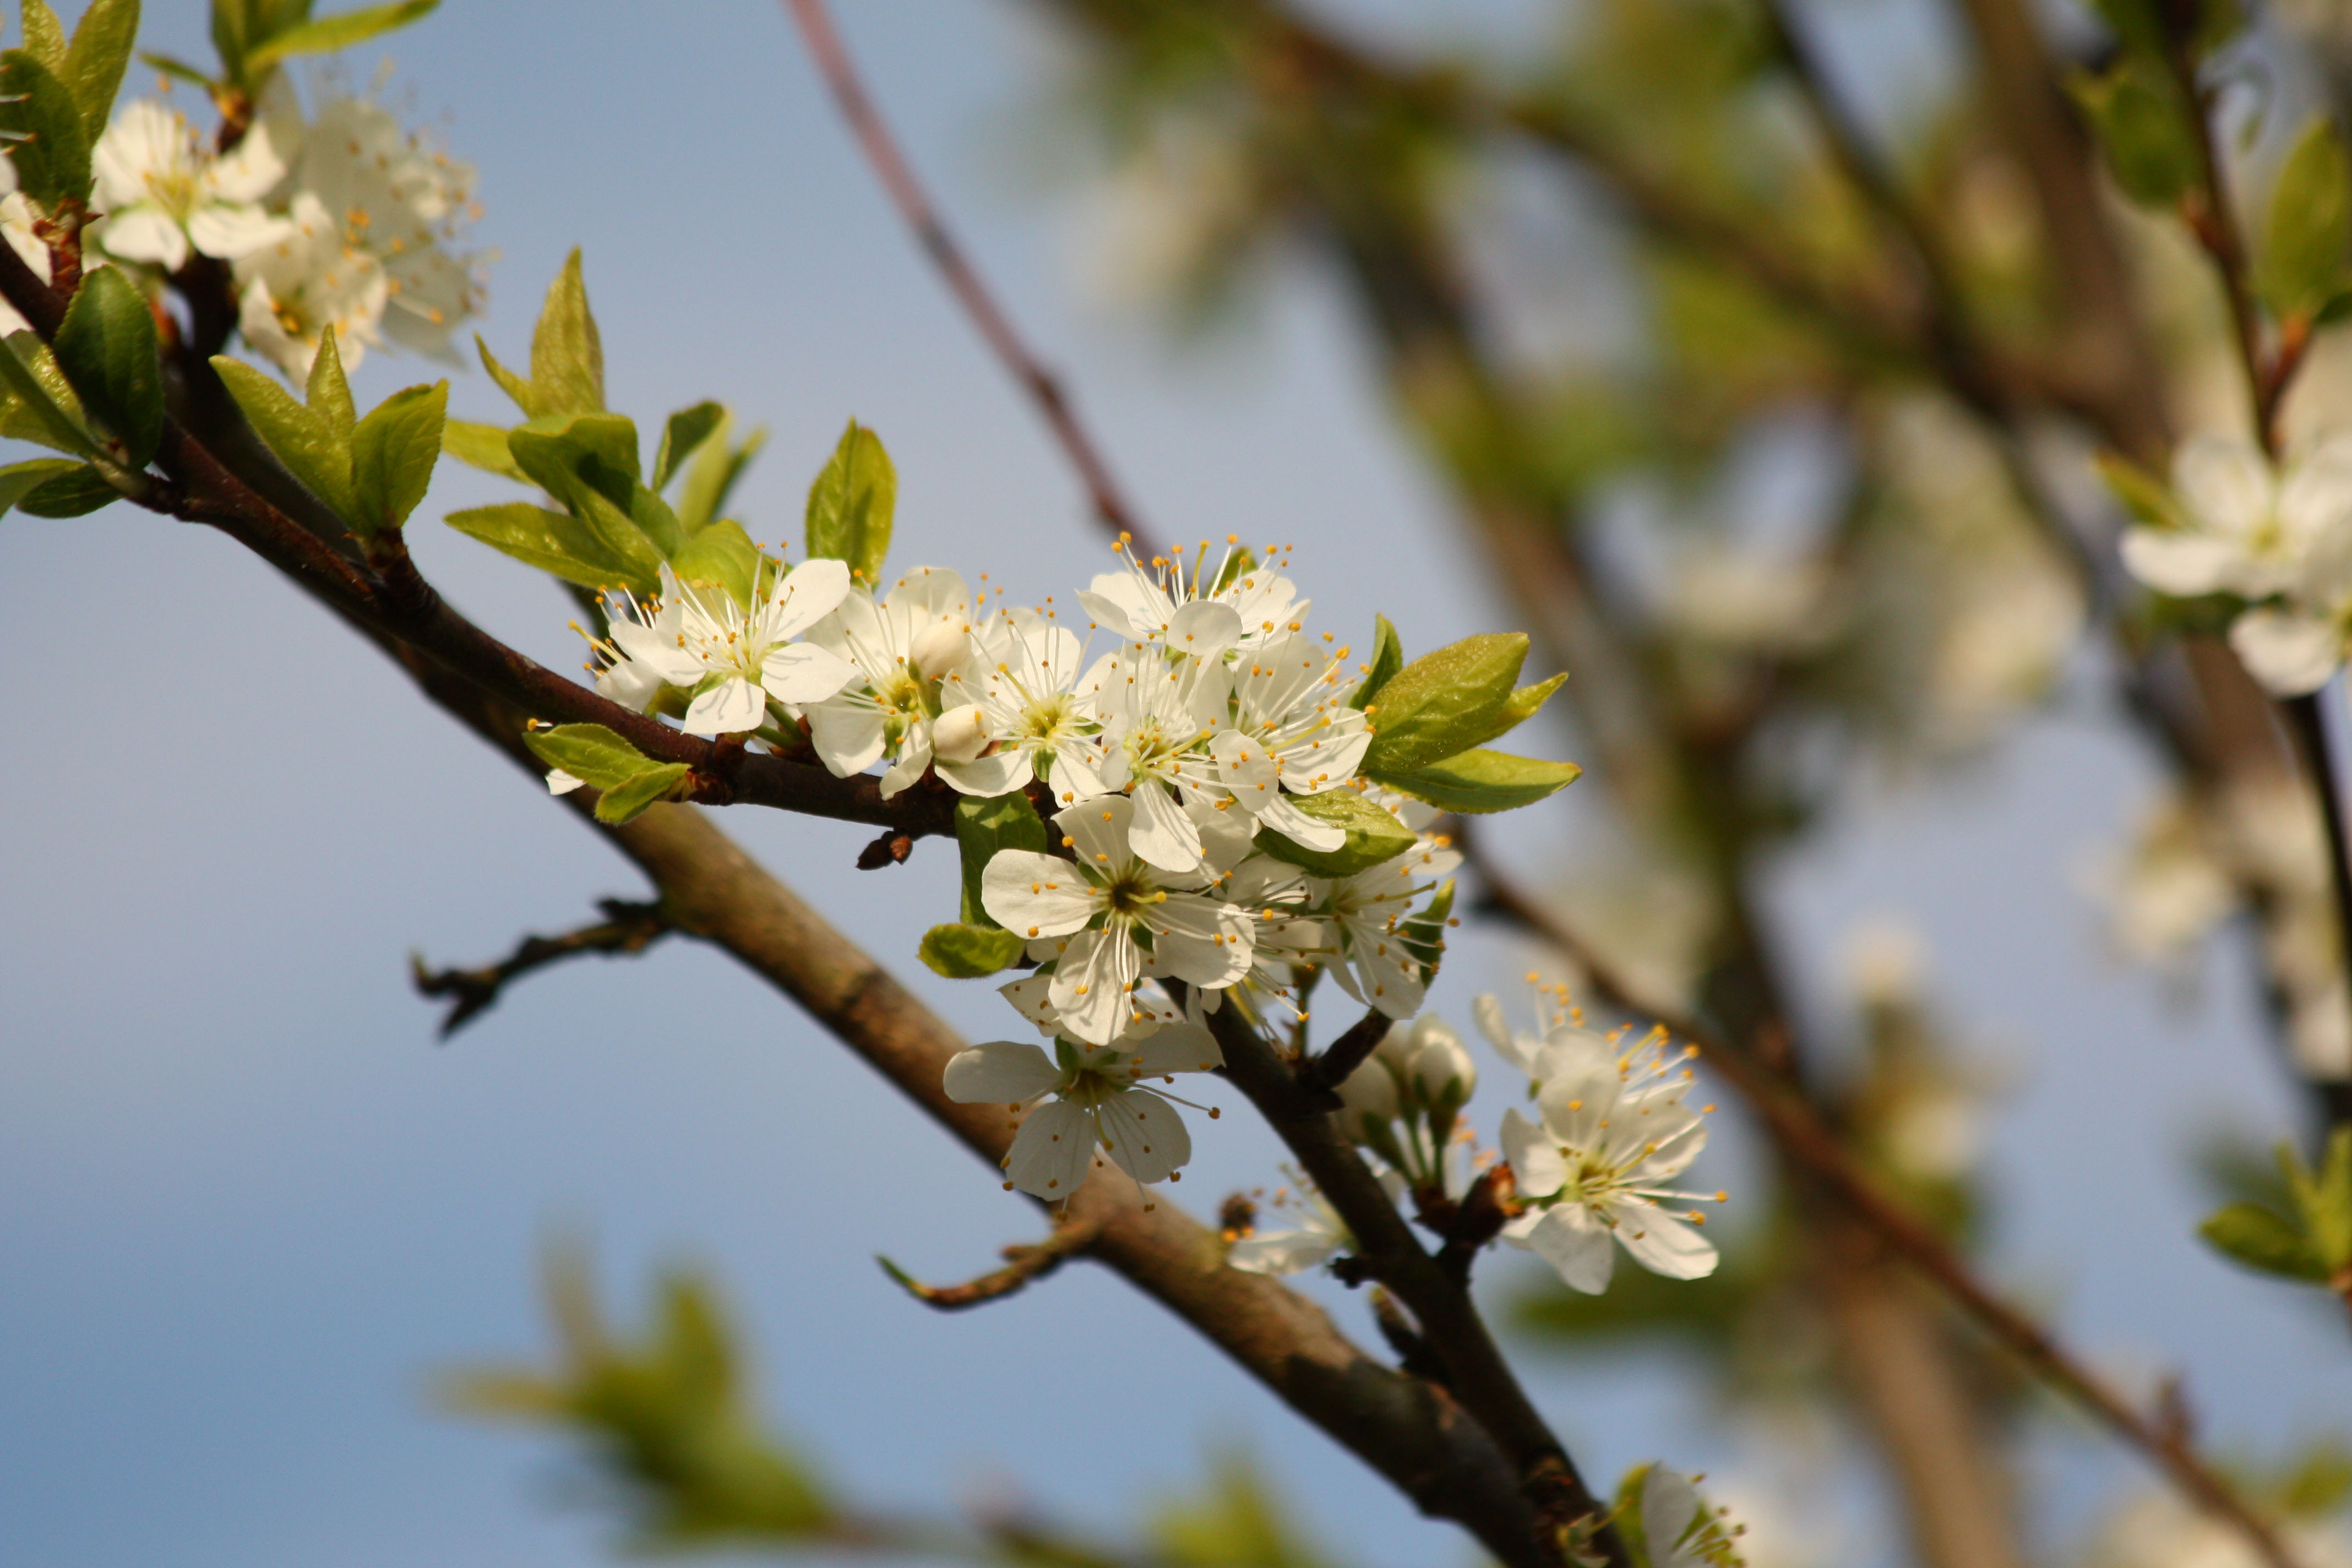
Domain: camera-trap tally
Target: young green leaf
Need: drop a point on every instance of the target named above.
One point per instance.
(712, 473)
(328, 34)
(1443, 702)
(482, 446)
(303, 439)
(44, 36)
(1424, 935)
(557, 543)
(969, 952)
(1523, 704)
(2143, 494)
(1388, 658)
(591, 753)
(107, 348)
(1478, 781)
(626, 801)
(19, 480)
(50, 147)
(1374, 836)
(852, 503)
(79, 489)
(985, 826)
(329, 394)
(2145, 131)
(2310, 226)
(393, 450)
(526, 397)
(684, 435)
(96, 60)
(179, 69)
(53, 413)
(567, 357)
(2253, 1236)
(722, 555)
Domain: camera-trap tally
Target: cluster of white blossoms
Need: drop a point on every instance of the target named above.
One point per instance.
(1590, 1171)
(341, 220)
(2279, 540)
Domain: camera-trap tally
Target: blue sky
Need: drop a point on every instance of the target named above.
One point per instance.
(248, 1206)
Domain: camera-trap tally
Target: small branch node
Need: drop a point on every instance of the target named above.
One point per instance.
(1023, 1264)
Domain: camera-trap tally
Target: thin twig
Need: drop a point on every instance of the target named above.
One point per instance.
(897, 177)
(628, 928)
(1023, 1265)
(1340, 1059)
(1800, 1136)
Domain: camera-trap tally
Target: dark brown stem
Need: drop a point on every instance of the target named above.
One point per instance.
(628, 928)
(1797, 1133)
(1342, 1056)
(1023, 1265)
(897, 177)
(1386, 1250)
(2213, 217)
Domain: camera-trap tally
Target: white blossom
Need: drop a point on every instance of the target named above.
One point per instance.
(900, 644)
(1365, 910)
(2244, 530)
(699, 631)
(1108, 902)
(1082, 1097)
(2294, 646)
(1147, 606)
(1158, 715)
(1031, 696)
(1292, 731)
(305, 283)
(1317, 1236)
(164, 195)
(1613, 1130)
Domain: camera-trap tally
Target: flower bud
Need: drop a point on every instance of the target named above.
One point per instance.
(1369, 1092)
(1441, 1068)
(959, 734)
(940, 647)
(1396, 1048)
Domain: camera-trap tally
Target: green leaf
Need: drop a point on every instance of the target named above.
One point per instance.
(178, 68)
(303, 439)
(95, 61)
(2310, 226)
(2255, 1236)
(625, 802)
(554, 542)
(2145, 131)
(513, 385)
(44, 36)
(967, 952)
(724, 555)
(1522, 705)
(329, 392)
(682, 436)
(589, 462)
(1388, 658)
(328, 34)
(81, 488)
(482, 446)
(567, 357)
(983, 826)
(655, 521)
(107, 348)
(393, 450)
(712, 474)
(232, 28)
(1374, 836)
(50, 147)
(2326, 1203)
(49, 401)
(2143, 494)
(851, 505)
(1443, 702)
(1424, 935)
(589, 752)
(19, 480)
(1478, 781)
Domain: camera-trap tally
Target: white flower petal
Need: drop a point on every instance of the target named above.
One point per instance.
(2225, 483)
(1203, 628)
(726, 709)
(1574, 1243)
(847, 736)
(560, 782)
(809, 593)
(1004, 1072)
(1146, 1137)
(1037, 895)
(1000, 772)
(802, 673)
(146, 234)
(1091, 984)
(1097, 829)
(1282, 1252)
(1050, 1154)
(231, 232)
(2291, 652)
(1537, 1168)
(2177, 562)
(1660, 1242)
(1162, 834)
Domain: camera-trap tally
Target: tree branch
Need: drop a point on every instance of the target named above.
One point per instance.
(1797, 1133)
(1023, 1264)
(628, 928)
